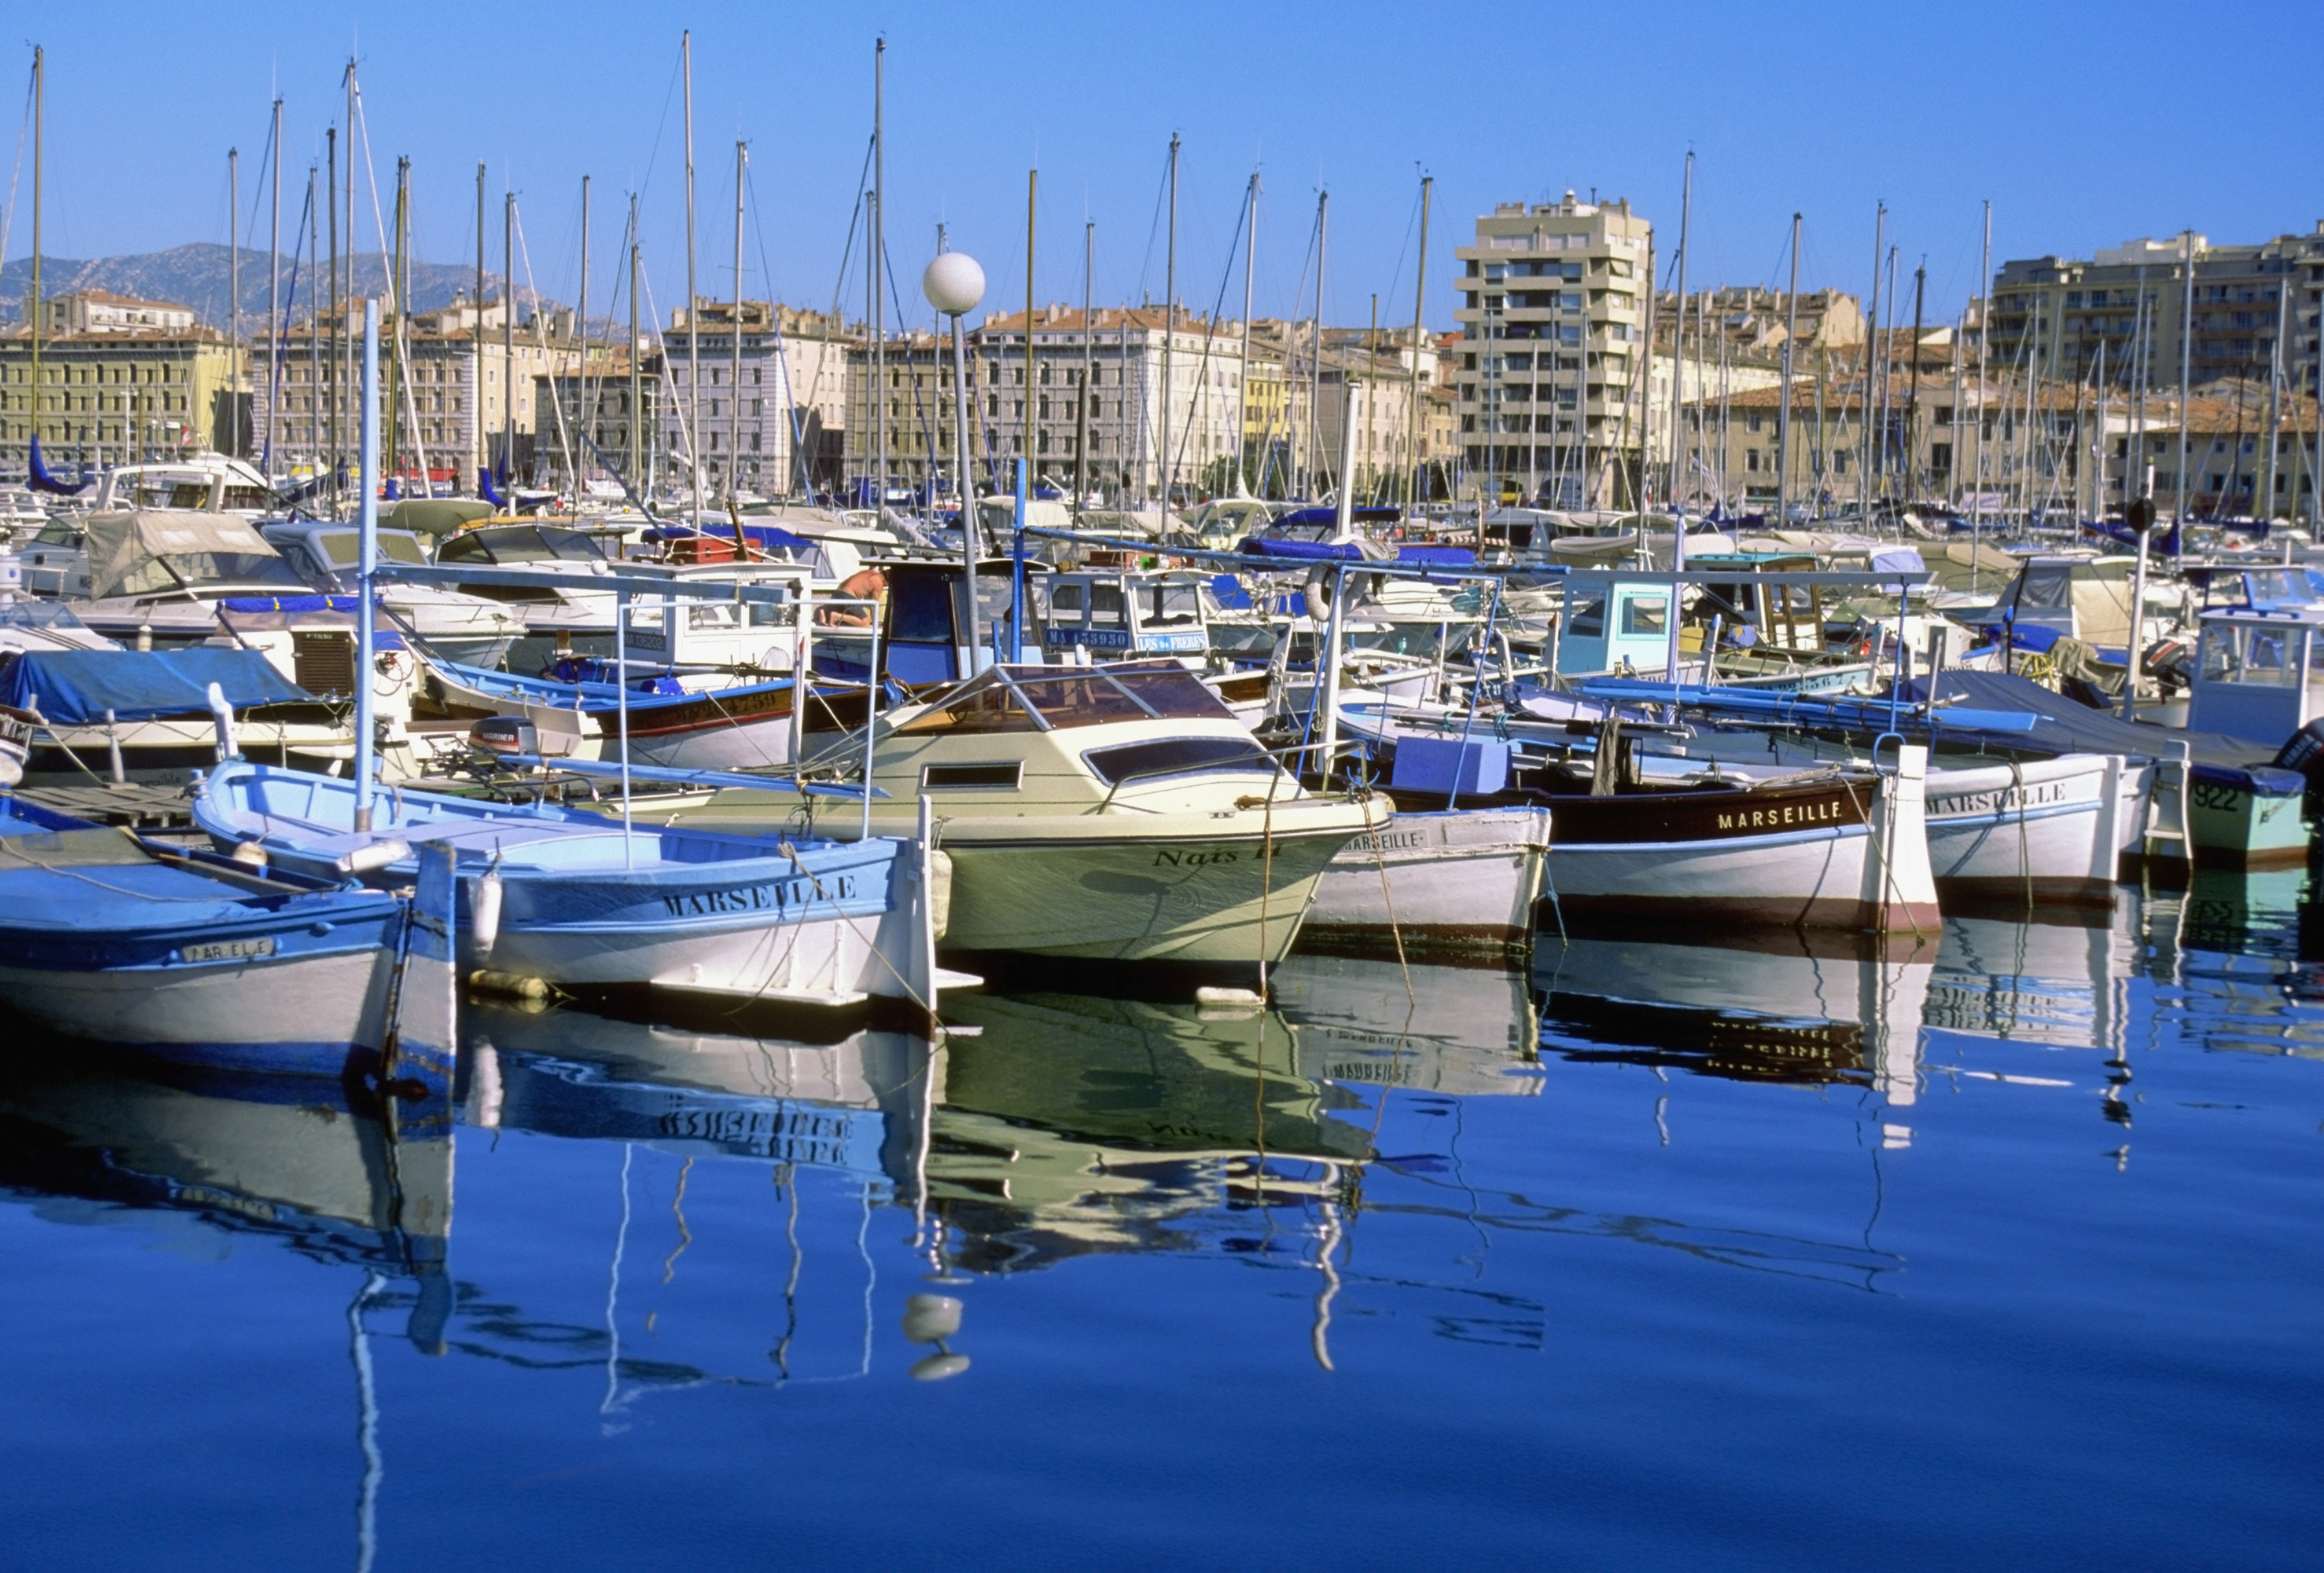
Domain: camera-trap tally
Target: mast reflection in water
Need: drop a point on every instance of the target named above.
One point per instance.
(1061, 1280)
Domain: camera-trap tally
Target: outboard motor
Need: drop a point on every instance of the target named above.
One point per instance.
(2304, 752)
(505, 734)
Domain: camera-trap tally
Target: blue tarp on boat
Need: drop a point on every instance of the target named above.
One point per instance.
(74, 688)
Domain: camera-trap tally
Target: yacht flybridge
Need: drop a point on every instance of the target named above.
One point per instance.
(1115, 812)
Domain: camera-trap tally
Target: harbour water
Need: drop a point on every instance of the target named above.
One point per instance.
(2003, 1253)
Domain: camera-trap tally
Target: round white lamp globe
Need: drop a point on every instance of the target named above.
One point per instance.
(953, 283)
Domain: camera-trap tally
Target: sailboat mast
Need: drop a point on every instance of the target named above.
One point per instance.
(33, 311)
(873, 257)
(734, 353)
(508, 334)
(636, 422)
(275, 261)
(1169, 329)
(314, 347)
(482, 455)
(1913, 389)
(1242, 388)
(2275, 390)
(1783, 410)
(1032, 196)
(2186, 359)
(1678, 342)
(332, 394)
(234, 297)
(584, 406)
(693, 299)
(349, 343)
(1871, 346)
(2138, 349)
(1415, 426)
(1984, 336)
(399, 377)
(1316, 356)
(1089, 356)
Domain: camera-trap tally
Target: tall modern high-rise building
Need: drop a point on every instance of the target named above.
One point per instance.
(1551, 377)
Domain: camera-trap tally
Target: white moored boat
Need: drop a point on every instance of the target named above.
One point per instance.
(1442, 883)
(1827, 849)
(1115, 812)
(2032, 833)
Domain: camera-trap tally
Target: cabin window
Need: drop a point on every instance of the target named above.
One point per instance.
(1586, 614)
(1006, 775)
(1175, 757)
(920, 609)
(1646, 615)
(1066, 599)
(1175, 606)
(2260, 657)
(1106, 606)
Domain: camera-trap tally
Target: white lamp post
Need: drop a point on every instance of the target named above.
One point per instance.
(954, 284)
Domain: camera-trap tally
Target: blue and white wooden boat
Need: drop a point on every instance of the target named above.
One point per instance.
(194, 959)
(581, 902)
(734, 727)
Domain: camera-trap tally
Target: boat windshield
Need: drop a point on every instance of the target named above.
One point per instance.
(343, 546)
(517, 545)
(1041, 698)
(196, 571)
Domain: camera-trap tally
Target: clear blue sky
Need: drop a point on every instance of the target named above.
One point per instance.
(2085, 124)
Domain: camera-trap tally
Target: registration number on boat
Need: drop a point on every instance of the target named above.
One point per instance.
(227, 950)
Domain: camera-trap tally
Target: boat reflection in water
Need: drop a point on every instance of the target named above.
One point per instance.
(856, 1106)
(116, 1140)
(1790, 1009)
(1468, 1031)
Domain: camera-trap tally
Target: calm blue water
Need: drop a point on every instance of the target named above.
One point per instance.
(1667, 1257)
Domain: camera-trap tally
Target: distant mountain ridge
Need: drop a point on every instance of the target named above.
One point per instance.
(199, 275)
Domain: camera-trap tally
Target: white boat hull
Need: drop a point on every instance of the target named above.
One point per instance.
(1818, 856)
(305, 1010)
(1462, 880)
(2039, 832)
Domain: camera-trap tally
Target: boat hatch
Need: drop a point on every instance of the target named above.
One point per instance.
(1005, 775)
(1040, 698)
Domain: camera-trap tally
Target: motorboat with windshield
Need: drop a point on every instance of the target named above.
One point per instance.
(1115, 812)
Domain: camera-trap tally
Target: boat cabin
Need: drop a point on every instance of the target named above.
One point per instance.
(1111, 614)
(924, 622)
(1615, 620)
(204, 481)
(2259, 673)
(1076, 741)
(2073, 598)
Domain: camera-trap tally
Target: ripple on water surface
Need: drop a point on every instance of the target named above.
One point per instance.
(2001, 1250)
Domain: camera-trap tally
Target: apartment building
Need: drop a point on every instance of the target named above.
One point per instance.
(120, 380)
(1125, 353)
(2056, 317)
(445, 378)
(1553, 316)
(771, 408)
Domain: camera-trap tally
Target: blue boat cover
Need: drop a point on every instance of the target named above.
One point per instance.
(2061, 726)
(1303, 551)
(74, 688)
(1329, 515)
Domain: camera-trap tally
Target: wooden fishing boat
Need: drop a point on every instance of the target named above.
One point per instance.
(1829, 850)
(573, 899)
(199, 959)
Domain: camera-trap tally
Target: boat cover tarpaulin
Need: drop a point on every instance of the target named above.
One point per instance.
(120, 544)
(2061, 726)
(74, 688)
